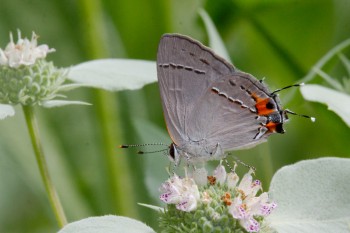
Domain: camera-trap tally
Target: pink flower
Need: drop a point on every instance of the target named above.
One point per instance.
(183, 192)
(246, 205)
(220, 174)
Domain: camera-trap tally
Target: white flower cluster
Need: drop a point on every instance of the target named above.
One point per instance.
(24, 52)
(239, 198)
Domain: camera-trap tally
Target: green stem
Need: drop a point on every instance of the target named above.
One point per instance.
(43, 168)
(318, 66)
(119, 175)
(326, 58)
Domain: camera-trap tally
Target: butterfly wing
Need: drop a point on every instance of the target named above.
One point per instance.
(226, 113)
(185, 70)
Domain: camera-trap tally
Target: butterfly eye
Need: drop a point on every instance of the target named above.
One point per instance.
(172, 151)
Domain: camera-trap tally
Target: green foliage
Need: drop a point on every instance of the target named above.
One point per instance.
(279, 40)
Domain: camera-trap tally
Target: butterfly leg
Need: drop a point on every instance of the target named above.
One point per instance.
(232, 169)
(217, 153)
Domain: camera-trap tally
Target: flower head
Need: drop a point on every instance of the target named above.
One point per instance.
(222, 204)
(26, 78)
(24, 52)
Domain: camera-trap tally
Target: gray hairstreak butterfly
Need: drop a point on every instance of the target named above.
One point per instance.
(211, 107)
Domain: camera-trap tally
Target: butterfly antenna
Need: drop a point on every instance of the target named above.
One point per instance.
(150, 152)
(294, 85)
(146, 144)
(141, 145)
(313, 119)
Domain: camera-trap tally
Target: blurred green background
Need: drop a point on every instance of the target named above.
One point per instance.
(276, 39)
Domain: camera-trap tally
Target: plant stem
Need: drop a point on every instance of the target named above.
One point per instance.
(119, 175)
(43, 168)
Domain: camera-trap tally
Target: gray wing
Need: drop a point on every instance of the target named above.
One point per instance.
(185, 70)
(226, 113)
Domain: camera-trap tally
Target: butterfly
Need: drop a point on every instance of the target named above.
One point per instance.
(210, 107)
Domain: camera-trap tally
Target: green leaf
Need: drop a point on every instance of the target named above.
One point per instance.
(114, 74)
(215, 41)
(60, 103)
(152, 207)
(336, 101)
(106, 224)
(312, 196)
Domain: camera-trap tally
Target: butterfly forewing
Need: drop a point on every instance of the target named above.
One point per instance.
(186, 69)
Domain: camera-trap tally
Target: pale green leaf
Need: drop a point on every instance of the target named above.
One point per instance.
(152, 207)
(71, 86)
(60, 103)
(6, 110)
(107, 224)
(114, 74)
(336, 101)
(312, 196)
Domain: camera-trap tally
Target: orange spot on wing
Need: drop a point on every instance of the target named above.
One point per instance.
(272, 126)
(261, 105)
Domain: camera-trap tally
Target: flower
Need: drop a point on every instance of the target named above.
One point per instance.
(26, 78)
(222, 204)
(181, 192)
(24, 52)
(220, 174)
(246, 205)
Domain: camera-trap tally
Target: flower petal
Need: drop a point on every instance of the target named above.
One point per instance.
(312, 196)
(6, 110)
(336, 101)
(114, 74)
(232, 180)
(200, 176)
(107, 224)
(250, 224)
(60, 103)
(187, 204)
(220, 174)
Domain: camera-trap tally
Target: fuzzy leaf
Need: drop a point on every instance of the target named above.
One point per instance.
(336, 101)
(312, 196)
(153, 207)
(71, 86)
(60, 103)
(107, 224)
(114, 74)
(6, 110)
